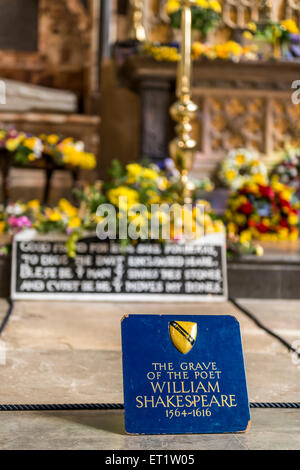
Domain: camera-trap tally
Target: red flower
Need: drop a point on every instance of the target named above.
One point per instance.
(283, 223)
(246, 208)
(266, 191)
(285, 203)
(262, 228)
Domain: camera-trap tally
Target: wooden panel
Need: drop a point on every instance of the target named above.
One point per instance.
(246, 104)
(19, 25)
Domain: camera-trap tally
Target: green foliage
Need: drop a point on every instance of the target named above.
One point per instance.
(203, 19)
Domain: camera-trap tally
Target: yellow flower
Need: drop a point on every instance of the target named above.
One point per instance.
(259, 178)
(234, 48)
(34, 205)
(52, 139)
(230, 175)
(73, 156)
(245, 237)
(232, 228)
(153, 197)
(74, 222)
(293, 219)
(294, 235)
(240, 219)
(251, 26)
(240, 159)
(198, 49)
(219, 226)
(247, 35)
(266, 221)
(202, 3)
(134, 170)
(253, 188)
(215, 5)
(172, 6)
(115, 194)
(277, 186)
(66, 207)
(149, 174)
(30, 142)
(13, 143)
(2, 226)
(54, 215)
(31, 157)
(290, 26)
(286, 194)
(283, 234)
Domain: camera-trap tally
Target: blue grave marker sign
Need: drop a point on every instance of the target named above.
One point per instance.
(183, 374)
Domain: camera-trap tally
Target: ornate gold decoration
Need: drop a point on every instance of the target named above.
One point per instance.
(184, 110)
(137, 31)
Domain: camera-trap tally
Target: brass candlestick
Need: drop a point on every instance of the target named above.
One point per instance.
(138, 32)
(184, 110)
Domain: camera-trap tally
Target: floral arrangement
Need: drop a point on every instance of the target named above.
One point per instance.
(148, 185)
(162, 53)
(230, 50)
(68, 152)
(241, 166)
(126, 190)
(263, 212)
(206, 14)
(273, 31)
(280, 35)
(64, 218)
(26, 149)
(287, 171)
(238, 245)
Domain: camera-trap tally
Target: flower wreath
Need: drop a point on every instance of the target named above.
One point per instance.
(263, 212)
(241, 166)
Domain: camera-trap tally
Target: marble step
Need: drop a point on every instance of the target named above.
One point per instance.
(22, 97)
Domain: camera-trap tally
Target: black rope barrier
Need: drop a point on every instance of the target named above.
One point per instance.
(116, 406)
(258, 323)
(7, 316)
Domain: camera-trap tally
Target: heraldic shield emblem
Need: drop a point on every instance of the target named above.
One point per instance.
(183, 335)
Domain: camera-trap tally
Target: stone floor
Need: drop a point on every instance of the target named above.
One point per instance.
(64, 352)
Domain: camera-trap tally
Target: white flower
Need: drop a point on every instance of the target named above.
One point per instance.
(79, 146)
(14, 209)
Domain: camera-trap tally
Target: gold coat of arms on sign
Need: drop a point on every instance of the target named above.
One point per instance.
(183, 335)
